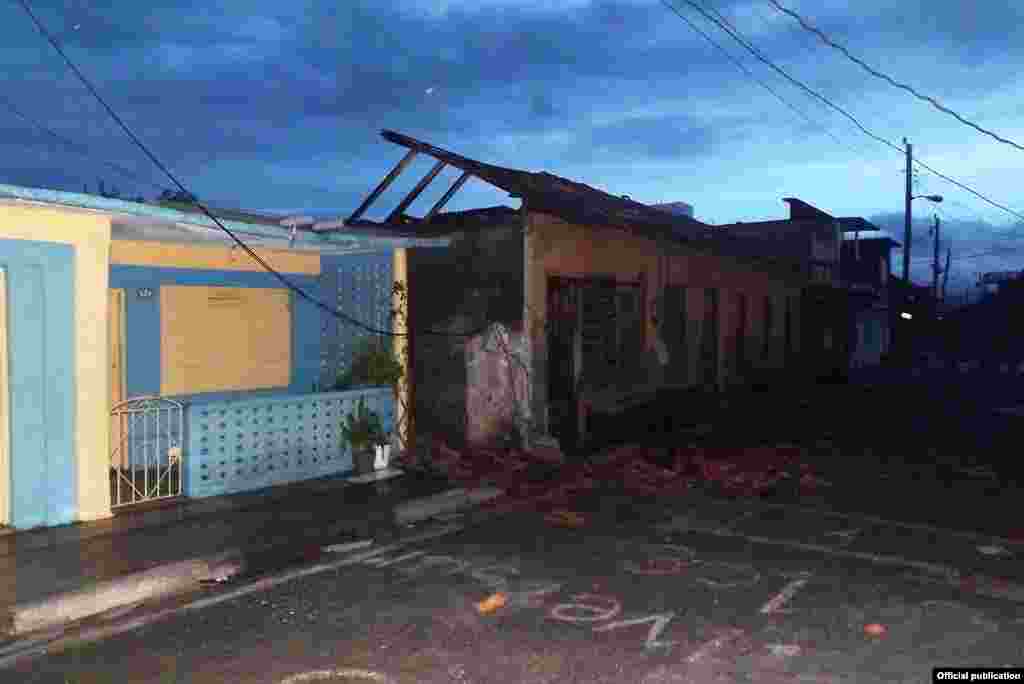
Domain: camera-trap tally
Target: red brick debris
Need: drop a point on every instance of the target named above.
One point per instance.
(635, 470)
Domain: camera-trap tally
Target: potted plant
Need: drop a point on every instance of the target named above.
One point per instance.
(364, 431)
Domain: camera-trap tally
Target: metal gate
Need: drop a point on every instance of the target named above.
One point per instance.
(146, 447)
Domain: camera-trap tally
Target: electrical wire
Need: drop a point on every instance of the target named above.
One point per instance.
(748, 72)
(877, 74)
(300, 291)
(754, 51)
(238, 241)
(76, 147)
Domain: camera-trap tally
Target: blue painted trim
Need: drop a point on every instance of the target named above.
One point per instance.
(41, 347)
(142, 320)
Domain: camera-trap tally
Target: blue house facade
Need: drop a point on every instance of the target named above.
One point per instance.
(221, 374)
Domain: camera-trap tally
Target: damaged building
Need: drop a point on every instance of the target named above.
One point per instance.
(549, 319)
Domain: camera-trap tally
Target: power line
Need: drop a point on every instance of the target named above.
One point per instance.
(747, 71)
(754, 51)
(248, 250)
(78, 148)
(935, 103)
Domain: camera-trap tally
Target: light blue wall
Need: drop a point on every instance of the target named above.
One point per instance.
(142, 324)
(237, 446)
(41, 339)
(358, 286)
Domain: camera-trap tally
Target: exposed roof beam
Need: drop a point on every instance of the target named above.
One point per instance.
(448, 195)
(388, 180)
(394, 216)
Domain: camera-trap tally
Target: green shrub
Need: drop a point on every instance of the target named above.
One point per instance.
(373, 364)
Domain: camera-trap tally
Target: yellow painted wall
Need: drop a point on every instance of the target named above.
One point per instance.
(209, 257)
(400, 271)
(554, 247)
(89, 233)
(253, 331)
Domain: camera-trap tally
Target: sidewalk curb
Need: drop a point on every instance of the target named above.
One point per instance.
(57, 639)
(158, 582)
(166, 580)
(450, 501)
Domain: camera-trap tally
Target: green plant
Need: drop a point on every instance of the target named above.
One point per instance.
(373, 364)
(363, 427)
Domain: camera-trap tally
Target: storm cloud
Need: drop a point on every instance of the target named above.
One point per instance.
(279, 106)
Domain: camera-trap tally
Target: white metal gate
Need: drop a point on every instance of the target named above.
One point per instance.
(145, 455)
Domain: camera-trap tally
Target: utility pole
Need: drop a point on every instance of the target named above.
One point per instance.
(935, 260)
(945, 273)
(906, 214)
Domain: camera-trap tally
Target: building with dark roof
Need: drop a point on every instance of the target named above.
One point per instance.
(602, 302)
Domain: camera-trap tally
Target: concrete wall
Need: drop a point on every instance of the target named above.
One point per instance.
(554, 247)
(496, 385)
(56, 265)
(476, 281)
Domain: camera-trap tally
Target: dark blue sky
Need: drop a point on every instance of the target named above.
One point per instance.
(278, 106)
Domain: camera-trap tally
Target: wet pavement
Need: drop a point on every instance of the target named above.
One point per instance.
(625, 596)
(34, 565)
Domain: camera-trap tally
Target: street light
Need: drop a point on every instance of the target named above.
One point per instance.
(906, 232)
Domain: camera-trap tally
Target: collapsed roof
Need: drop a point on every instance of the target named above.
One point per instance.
(543, 192)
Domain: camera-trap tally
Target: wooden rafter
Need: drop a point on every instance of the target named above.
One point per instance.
(448, 195)
(388, 180)
(415, 192)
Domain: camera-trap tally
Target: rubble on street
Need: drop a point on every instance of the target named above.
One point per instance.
(541, 482)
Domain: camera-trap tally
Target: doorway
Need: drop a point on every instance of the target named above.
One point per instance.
(116, 338)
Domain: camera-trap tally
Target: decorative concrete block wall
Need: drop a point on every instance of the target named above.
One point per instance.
(359, 286)
(241, 445)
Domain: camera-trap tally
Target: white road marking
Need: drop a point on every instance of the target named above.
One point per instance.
(338, 675)
(350, 546)
(385, 562)
(863, 517)
(783, 597)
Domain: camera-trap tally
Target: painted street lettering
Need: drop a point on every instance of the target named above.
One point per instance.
(658, 624)
(586, 608)
(708, 648)
(718, 575)
(489, 575)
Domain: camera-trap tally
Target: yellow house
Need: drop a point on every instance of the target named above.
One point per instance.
(138, 347)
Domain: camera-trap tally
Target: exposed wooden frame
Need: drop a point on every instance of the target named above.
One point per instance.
(415, 192)
(388, 180)
(456, 186)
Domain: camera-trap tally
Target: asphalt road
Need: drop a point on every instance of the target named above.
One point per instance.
(618, 599)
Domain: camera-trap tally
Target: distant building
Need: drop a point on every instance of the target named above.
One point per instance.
(676, 208)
